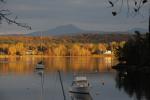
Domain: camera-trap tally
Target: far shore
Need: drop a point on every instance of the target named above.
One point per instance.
(7, 56)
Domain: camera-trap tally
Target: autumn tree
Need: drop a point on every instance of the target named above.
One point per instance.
(84, 52)
(49, 51)
(75, 50)
(60, 50)
(20, 49)
(4, 48)
(101, 47)
(12, 50)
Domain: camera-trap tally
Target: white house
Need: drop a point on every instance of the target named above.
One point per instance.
(108, 52)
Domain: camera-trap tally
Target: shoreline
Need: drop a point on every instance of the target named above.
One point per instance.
(7, 56)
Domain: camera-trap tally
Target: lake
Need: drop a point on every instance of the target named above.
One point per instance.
(20, 81)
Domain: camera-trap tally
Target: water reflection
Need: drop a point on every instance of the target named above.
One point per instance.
(20, 81)
(26, 65)
(76, 96)
(40, 72)
(134, 85)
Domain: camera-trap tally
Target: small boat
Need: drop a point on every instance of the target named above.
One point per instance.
(40, 65)
(80, 85)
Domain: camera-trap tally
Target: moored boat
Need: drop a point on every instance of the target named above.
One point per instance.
(80, 85)
(40, 65)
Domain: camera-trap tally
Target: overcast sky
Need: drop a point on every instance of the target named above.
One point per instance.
(85, 14)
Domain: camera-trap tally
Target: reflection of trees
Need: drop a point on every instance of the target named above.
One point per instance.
(17, 65)
(134, 85)
(87, 64)
(24, 65)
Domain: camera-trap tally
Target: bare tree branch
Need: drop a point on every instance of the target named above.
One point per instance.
(5, 16)
(138, 4)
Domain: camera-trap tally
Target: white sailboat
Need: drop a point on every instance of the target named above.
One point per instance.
(80, 85)
(40, 65)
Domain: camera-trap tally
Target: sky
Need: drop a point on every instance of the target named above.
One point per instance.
(85, 14)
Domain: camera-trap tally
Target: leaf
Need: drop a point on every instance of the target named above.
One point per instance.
(135, 3)
(144, 1)
(136, 10)
(111, 3)
(114, 13)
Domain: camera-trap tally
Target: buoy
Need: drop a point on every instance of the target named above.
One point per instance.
(103, 83)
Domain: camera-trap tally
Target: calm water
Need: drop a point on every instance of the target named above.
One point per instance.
(20, 81)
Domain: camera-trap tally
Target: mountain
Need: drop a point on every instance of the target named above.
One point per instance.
(60, 30)
(142, 30)
(71, 29)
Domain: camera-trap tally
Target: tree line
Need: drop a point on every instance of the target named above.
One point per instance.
(45, 47)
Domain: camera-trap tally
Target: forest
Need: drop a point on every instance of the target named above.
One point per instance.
(77, 45)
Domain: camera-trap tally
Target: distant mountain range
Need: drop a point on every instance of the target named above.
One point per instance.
(60, 30)
(71, 29)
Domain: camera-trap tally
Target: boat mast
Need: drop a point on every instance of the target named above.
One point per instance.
(41, 47)
(41, 44)
(61, 85)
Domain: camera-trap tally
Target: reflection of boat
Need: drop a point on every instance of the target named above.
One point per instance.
(77, 96)
(80, 85)
(40, 65)
(40, 72)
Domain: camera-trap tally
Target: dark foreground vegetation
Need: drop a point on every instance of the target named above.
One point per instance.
(134, 84)
(134, 56)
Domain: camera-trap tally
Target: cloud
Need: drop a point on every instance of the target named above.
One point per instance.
(88, 14)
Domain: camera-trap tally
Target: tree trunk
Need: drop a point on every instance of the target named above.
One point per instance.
(149, 23)
(149, 28)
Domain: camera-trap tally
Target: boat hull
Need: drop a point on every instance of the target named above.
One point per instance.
(39, 66)
(79, 96)
(82, 90)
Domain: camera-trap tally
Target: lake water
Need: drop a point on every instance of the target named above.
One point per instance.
(20, 81)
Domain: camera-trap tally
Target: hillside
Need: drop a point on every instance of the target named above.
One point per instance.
(59, 30)
(71, 29)
(80, 38)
